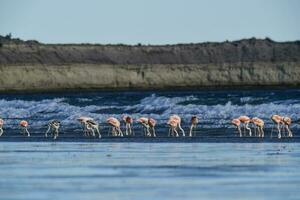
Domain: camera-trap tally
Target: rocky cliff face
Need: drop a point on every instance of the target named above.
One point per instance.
(30, 65)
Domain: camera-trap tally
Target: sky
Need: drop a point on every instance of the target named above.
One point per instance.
(149, 21)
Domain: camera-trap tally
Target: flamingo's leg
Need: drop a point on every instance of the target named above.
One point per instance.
(28, 134)
(240, 131)
(148, 131)
(46, 134)
(250, 133)
(181, 129)
(129, 129)
(258, 132)
(290, 134)
(97, 130)
(191, 130)
(262, 131)
(120, 132)
(279, 132)
(153, 132)
(93, 132)
(1, 131)
(126, 129)
(55, 134)
(176, 133)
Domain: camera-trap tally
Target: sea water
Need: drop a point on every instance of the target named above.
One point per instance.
(227, 167)
(127, 171)
(214, 108)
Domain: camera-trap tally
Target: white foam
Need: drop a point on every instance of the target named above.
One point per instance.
(159, 107)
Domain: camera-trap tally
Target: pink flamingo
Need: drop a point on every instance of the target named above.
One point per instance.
(1, 126)
(152, 123)
(128, 121)
(53, 126)
(115, 123)
(145, 123)
(178, 119)
(173, 125)
(246, 120)
(259, 124)
(277, 119)
(237, 123)
(83, 121)
(91, 126)
(287, 122)
(194, 122)
(24, 125)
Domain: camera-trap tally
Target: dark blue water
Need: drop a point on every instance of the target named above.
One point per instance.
(214, 108)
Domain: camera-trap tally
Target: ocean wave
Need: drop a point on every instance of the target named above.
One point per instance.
(39, 112)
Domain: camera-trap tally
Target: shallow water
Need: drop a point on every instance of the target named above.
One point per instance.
(216, 164)
(149, 171)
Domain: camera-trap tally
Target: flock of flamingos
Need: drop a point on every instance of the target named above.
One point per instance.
(91, 127)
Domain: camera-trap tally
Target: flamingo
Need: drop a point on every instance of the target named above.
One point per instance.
(194, 122)
(152, 123)
(287, 122)
(173, 125)
(1, 126)
(91, 126)
(237, 123)
(24, 125)
(259, 124)
(246, 120)
(115, 123)
(178, 119)
(128, 121)
(277, 119)
(53, 125)
(145, 123)
(83, 121)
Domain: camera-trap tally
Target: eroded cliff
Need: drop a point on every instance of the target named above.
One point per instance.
(30, 65)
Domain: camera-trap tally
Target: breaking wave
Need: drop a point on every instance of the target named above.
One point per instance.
(214, 111)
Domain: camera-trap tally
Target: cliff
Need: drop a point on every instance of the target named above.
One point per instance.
(30, 65)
